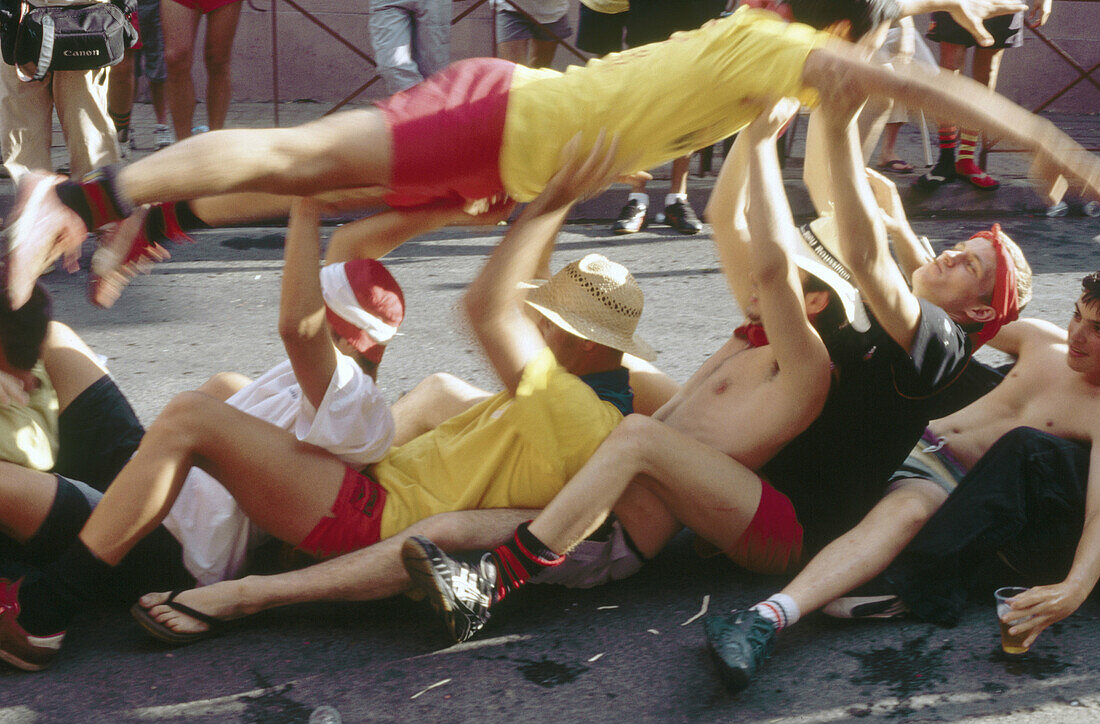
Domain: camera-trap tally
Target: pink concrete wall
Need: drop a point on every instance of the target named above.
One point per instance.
(313, 65)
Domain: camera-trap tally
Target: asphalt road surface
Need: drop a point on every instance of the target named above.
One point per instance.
(627, 651)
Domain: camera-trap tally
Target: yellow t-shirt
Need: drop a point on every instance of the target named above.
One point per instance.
(28, 433)
(502, 453)
(663, 100)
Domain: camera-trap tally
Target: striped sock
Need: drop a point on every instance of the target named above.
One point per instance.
(968, 140)
(95, 198)
(121, 120)
(521, 557)
(780, 609)
(949, 141)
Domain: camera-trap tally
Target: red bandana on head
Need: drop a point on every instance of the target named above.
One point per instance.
(1005, 303)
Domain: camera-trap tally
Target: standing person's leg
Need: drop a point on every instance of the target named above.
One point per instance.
(151, 61)
(120, 99)
(221, 28)
(26, 122)
(678, 212)
(81, 101)
(984, 69)
(180, 25)
(391, 37)
(432, 38)
(952, 58)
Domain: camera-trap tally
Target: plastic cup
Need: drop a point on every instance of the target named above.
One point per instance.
(1012, 645)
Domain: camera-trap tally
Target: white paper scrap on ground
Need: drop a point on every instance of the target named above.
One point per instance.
(702, 611)
(438, 683)
(605, 608)
(597, 657)
(654, 631)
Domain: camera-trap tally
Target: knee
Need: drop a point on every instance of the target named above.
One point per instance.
(217, 61)
(180, 421)
(177, 61)
(633, 436)
(911, 509)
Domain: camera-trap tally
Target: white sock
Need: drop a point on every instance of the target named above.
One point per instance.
(780, 609)
(642, 199)
(670, 199)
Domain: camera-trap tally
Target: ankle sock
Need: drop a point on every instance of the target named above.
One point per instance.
(521, 557)
(171, 222)
(642, 199)
(780, 609)
(121, 120)
(968, 166)
(95, 198)
(50, 601)
(670, 199)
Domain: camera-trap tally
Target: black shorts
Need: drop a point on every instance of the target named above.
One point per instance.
(1007, 31)
(154, 564)
(97, 434)
(647, 21)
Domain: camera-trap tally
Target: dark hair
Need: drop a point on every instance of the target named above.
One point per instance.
(22, 330)
(1090, 288)
(864, 15)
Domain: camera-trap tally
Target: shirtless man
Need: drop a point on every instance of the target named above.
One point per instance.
(981, 284)
(1028, 505)
(510, 124)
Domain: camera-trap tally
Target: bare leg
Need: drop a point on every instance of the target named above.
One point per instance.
(221, 27)
(516, 51)
(703, 488)
(435, 399)
(283, 485)
(367, 574)
(25, 500)
(120, 85)
(71, 364)
(346, 150)
(677, 183)
(542, 53)
(888, 152)
(863, 552)
(160, 100)
(180, 26)
(652, 387)
(224, 385)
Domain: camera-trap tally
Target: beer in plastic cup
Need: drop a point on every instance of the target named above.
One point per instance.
(1013, 645)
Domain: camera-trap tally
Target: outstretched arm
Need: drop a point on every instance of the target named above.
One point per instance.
(494, 301)
(838, 68)
(862, 232)
(799, 351)
(301, 306)
(967, 13)
(1049, 604)
(912, 251)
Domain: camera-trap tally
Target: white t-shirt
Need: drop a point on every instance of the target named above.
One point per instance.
(353, 422)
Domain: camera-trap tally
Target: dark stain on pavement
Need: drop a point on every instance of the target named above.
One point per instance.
(906, 670)
(549, 674)
(273, 706)
(1033, 665)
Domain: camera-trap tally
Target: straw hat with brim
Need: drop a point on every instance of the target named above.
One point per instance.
(815, 254)
(595, 299)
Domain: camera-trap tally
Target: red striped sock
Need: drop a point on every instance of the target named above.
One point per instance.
(521, 557)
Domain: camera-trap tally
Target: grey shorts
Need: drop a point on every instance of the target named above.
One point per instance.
(930, 461)
(150, 60)
(609, 555)
(516, 26)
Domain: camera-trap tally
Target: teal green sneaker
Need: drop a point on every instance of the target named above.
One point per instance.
(739, 642)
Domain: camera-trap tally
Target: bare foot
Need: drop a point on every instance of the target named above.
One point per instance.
(219, 600)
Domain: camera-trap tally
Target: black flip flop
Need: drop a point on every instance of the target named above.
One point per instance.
(215, 626)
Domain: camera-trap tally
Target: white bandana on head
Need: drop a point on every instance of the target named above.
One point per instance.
(340, 298)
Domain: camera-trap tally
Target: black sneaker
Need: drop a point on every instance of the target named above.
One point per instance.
(940, 174)
(460, 593)
(873, 599)
(631, 219)
(680, 216)
(739, 642)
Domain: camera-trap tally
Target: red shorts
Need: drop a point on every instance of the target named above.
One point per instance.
(447, 133)
(356, 518)
(206, 6)
(772, 544)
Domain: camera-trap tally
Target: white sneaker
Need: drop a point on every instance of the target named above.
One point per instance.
(125, 142)
(162, 136)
